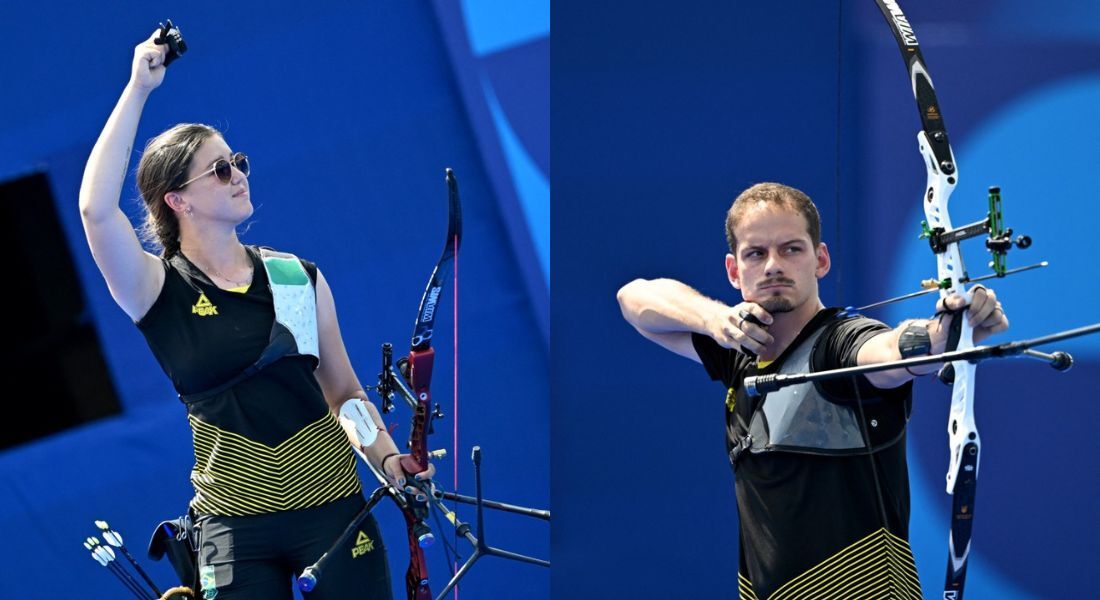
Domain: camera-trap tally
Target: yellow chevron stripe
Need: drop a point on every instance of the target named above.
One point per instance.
(906, 569)
(236, 476)
(878, 566)
(233, 464)
(271, 462)
(276, 497)
(311, 496)
(241, 505)
(831, 581)
(321, 423)
(282, 475)
(744, 588)
(831, 565)
(227, 485)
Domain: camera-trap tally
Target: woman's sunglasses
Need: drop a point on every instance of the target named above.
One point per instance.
(223, 169)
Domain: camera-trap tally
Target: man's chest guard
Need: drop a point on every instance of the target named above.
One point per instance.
(801, 419)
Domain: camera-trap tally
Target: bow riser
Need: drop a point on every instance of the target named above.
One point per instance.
(961, 428)
(420, 376)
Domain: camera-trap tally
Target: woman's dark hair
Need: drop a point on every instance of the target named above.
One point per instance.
(163, 168)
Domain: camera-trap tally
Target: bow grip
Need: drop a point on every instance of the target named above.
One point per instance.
(420, 377)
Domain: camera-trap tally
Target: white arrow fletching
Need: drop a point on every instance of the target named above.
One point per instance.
(99, 559)
(102, 525)
(104, 553)
(113, 538)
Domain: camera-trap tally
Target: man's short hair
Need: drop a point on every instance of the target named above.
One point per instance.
(775, 194)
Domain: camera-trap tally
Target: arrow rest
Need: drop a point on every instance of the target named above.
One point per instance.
(435, 414)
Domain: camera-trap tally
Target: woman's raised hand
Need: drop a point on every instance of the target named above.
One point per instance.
(147, 71)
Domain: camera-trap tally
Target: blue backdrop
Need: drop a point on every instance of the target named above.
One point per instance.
(663, 115)
(349, 112)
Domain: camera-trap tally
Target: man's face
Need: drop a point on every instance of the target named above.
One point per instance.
(776, 265)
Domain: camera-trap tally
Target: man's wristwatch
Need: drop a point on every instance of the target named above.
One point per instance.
(915, 341)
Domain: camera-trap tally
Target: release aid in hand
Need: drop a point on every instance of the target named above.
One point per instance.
(748, 317)
(170, 35)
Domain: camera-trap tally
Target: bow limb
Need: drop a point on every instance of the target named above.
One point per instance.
(421, 354)
(965, 444)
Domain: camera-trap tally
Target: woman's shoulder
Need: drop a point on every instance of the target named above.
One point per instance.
(308, 265)
(159, 286)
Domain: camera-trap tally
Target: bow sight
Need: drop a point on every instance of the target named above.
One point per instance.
(998, 241)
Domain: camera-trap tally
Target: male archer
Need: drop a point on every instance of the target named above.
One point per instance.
(821, 477)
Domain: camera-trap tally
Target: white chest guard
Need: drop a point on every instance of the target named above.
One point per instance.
(295, 299)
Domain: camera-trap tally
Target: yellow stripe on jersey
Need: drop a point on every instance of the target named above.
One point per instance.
(879, 566)
(744, 588)
(236, 476)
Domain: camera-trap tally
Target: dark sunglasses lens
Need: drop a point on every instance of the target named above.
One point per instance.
(223, 170)
(241, 162)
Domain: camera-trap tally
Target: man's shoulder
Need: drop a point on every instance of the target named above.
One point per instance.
(842, 338)
(841, 324)
(721, 363)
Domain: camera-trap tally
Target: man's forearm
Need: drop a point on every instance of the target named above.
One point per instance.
(666, 305)
(885, 347)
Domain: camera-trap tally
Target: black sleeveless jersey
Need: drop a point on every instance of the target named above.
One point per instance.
(811, 526)
(270, 442)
